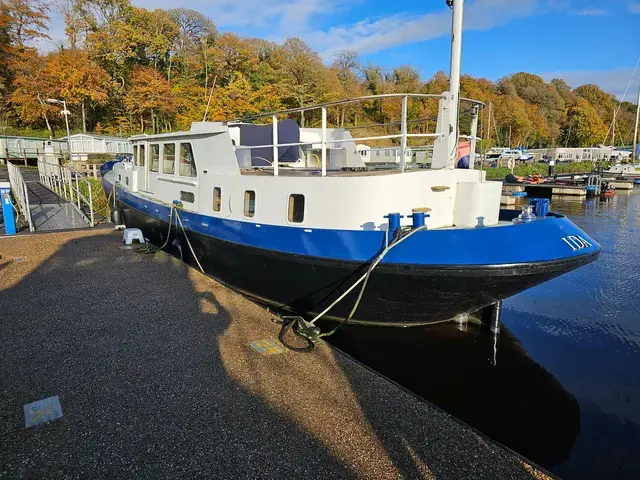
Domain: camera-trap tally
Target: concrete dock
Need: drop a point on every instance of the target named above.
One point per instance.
(156, 377)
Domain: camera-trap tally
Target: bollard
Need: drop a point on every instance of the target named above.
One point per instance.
(418, 219)
(540, 206)
(7, 209)
(394, 223)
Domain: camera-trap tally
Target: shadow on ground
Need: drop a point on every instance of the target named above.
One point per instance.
(152, 364)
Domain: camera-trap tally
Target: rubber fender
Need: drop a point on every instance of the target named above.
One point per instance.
(116, 216)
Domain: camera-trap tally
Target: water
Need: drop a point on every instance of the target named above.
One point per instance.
(561, 383)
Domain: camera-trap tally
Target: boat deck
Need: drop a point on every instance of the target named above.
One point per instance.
(315, 172)
(156, 376)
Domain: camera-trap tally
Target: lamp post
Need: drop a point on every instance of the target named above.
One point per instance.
(66, 114)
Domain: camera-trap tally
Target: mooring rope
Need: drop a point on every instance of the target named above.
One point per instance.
(308, 330)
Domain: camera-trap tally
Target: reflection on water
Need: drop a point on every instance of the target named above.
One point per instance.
(565, 390)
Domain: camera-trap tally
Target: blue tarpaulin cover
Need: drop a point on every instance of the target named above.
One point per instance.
(288, 132)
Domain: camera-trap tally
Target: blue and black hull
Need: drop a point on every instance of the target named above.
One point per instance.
(397, 294)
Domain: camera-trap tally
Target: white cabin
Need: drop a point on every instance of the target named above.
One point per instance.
(304, 178)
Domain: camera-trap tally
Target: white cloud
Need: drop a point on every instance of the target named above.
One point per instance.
(634, 7)
(289, 16)
(613, 81)
(375, 34)
(592, 12)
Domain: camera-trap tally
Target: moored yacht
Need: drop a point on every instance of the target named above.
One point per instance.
(293, 217)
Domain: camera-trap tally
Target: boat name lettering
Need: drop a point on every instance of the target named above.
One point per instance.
(576, 242)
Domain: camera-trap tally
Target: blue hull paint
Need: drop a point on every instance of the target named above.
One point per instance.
(542, 240)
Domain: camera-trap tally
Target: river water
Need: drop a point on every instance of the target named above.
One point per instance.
(561, 383)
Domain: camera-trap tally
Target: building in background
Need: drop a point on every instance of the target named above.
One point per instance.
(27, 149)
(82, 144)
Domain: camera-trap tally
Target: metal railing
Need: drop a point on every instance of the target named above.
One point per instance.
(19, 188)
(324, 141)
(66, 182)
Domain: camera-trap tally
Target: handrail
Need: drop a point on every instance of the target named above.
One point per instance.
(60, 180)
(19, 187)
(443, 136)
(333, 104)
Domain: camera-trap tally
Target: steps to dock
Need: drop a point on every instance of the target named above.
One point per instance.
(155, 369)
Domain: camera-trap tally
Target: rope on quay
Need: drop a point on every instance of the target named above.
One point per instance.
(308, 331)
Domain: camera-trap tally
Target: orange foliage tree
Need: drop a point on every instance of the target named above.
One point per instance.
(149, 94)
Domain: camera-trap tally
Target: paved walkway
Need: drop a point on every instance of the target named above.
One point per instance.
(152, 365)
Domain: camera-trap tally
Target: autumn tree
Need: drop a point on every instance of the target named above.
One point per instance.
(149, 94)
(32, 85)
(584, 127)
(604, 103)
(28, 20)
(304, 78)
(346, 66)
(78, 79)
(196, 34)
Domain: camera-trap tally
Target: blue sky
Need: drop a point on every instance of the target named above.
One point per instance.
(583, 41)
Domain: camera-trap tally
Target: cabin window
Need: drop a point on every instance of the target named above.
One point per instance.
(187, 162)
(126, 180)
(169, 158)
(155, 157)
(187, 197)
(249, 203)
(135, 154)
(217, 199)
(142, 158)
(296, 208)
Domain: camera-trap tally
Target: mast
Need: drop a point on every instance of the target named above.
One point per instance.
(635, 134)
(613, 134)
(456, 59)
(445, 147)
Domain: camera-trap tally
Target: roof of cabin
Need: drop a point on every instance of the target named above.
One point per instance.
(197, 128)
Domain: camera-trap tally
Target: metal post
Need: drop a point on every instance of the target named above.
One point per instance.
(403, 127)
(274, 120)
(91, 201)
(635, 135)
(324, 141)
(454, 75)
(65, 112)
(77, 192)
(474, 134)
(491, 316)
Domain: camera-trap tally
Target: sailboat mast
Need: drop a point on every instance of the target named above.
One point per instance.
(613, 133)
(635, 134)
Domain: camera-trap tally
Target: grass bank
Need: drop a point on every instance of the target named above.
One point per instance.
(99, 197)
(541, 168)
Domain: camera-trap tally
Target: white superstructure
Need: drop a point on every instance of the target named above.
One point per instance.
(212, 172)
